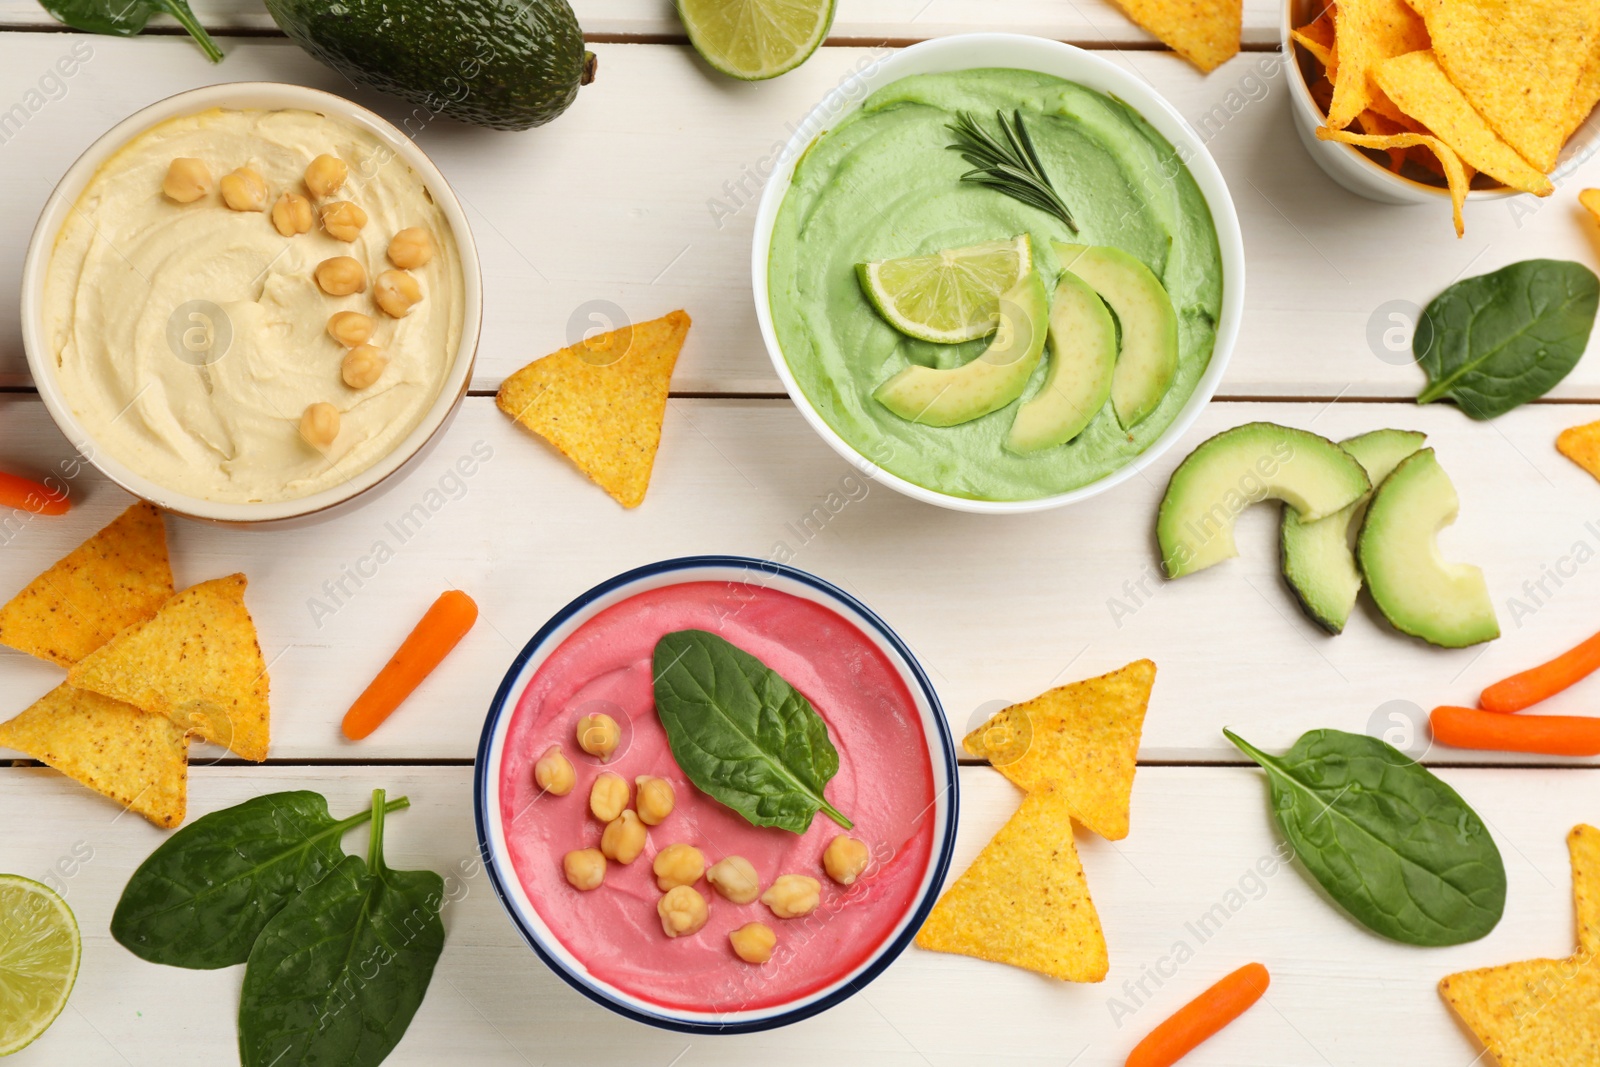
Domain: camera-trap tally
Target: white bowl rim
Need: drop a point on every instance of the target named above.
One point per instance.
(1046, 56)
(1399, 183)
(486, 787)
(266, 95)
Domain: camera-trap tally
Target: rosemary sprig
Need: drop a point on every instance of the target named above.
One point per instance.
(1008, 164)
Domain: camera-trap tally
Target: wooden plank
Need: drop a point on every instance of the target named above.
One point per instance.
(1198, 870)
(997, 609)
(1090, 23)
(641, 200)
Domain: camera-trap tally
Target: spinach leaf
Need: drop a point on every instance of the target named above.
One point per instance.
(125, 18)
(337, 975)
(743, 734)
(1392, 844)
(200, 899)
(1499, 340)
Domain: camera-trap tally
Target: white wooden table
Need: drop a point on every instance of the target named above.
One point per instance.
(615, 202)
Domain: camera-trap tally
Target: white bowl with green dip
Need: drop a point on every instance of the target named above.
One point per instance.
(868, 176)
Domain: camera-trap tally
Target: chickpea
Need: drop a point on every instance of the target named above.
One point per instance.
(585, 868)
(753, 942)
(341, 276)
(343, 220)
(655, 800)
(411, 248)
(844, 859)
(326, 175)
(319, 425)
(362, 366)
(735, 878)
(608, 796)
(599, 735)
(623, 838)
(793, 895)
(553, 772)
(678, 864)
(244, 190)
(291, 214)
(683, 911)
(350, 328)
(397, 293)
(187, 180)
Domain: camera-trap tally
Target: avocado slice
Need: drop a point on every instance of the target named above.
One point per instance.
(1083, 355)
(1239, 467)
(1421, 594)
(1317, 559)
(1148, 359)
(948, 397)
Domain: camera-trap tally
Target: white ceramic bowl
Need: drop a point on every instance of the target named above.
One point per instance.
(496, 852)
(268, 95)
(1019, 52)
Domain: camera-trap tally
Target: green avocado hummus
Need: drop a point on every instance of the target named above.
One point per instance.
(882, 185)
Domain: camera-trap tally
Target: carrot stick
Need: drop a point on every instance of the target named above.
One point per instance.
(441, 629)
(24, 494)
(1546, 680)
(1552, 735)
(1201, 1017)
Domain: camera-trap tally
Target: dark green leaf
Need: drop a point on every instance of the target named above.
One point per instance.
(201, 898)
(743, 734)
(336, 976)
(1499, 340)
(1391, 843)
(124, 18)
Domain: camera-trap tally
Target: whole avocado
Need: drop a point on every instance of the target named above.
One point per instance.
(506, 64)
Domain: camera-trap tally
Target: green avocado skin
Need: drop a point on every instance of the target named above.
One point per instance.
(506, 64)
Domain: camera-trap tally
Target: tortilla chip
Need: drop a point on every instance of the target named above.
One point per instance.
(601, 402)
(137, 759)
(1519, 63)
(1455, 174)
(116, 578)
(1581, 444)
(1082, 738)
(1367, 32)
(1585, 95)
(1418, 86)
(197, 662)
(1542, 1013)
(1205, 32)
(1322, 93)
(1590, 199)
(1316, 37)
(1382, 126)
(1024, 900)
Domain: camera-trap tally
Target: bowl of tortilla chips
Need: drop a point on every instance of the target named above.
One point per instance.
(1418, 101)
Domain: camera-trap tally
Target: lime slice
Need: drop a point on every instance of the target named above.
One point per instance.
(756, 39)
(950, 296)
(39, 951)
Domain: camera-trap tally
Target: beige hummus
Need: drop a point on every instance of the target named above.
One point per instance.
(190, 338)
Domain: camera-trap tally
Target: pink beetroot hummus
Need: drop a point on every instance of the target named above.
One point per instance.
(884, 785)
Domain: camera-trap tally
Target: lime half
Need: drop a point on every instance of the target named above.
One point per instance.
(950, 296)
(39, 952)
(756, 39)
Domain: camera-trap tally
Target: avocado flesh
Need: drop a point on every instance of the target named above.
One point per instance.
(1148, 359)
(951, 396)
(1318, 562)
(1242, 466)
(1083, 355)
(1417, 590)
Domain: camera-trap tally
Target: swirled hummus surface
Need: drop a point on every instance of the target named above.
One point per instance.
(190, 338)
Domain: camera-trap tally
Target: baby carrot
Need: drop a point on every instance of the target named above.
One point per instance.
(1546, 680)
(441, 629)
(1552, 735)
(25, 494)
(1201, 1017)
